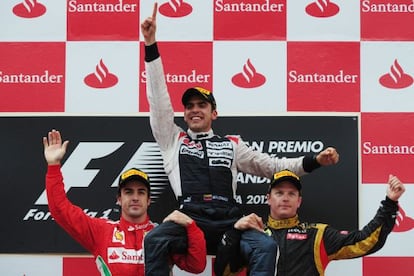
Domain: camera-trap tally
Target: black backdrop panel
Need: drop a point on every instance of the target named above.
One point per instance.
(101, 147)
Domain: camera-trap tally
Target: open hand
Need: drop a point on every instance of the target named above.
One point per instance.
(54, 149)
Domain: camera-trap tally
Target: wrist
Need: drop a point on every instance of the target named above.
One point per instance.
(310, 163)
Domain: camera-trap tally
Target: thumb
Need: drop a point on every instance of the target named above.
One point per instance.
(65, 145)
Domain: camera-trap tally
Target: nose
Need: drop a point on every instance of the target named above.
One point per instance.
(135, 196)
(285, 197)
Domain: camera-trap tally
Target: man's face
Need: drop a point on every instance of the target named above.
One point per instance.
(198, 114)
(284, 200)
(134, 200)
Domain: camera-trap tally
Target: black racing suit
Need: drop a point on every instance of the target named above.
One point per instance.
(307, 248)
(202, 167)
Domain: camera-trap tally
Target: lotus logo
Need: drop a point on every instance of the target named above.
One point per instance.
(248, 78)
(29, 9)
(101, 78)
(322, 8)
(403, 223)
(175, 8)
(396, 78)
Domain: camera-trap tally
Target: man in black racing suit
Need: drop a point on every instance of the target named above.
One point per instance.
(201, 166)
(307, 248)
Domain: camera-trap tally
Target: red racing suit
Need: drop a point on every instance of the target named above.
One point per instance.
(118, 243)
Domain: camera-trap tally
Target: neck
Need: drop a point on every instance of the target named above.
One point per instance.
(136, 220)
(283, 223)
(200, 135)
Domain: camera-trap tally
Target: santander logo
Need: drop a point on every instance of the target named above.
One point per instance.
(101, 78)
(113, 256)
(396, 78)
(248, 78)
(322, 8)
(403, 223)
(29, 9)
(175, 8)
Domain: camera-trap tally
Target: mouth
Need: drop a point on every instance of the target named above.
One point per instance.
(196, 118)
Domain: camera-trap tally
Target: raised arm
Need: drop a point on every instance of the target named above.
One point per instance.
(162, 123)
(69, 216)
(372, 237)
(262, 164)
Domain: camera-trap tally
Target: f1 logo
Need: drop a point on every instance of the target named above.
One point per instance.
(74, 167)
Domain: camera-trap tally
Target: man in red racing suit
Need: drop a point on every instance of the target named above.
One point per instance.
(117, 245)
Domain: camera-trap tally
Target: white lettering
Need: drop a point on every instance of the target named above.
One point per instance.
(192, 77)
(387, 7)
(219, 145)
(368, 148)
(37, 215)
(99, 7)
(220, 153)
(295, 146)
(34, 78)
(257, 146)
(294, 76)
(248, 178)
(192, 152)
(222, 6)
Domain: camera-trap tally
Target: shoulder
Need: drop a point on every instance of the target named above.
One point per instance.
(313, 225)
(234, 138)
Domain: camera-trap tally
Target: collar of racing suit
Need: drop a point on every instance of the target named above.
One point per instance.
(126, 225)
(283, 223)
(200, 135)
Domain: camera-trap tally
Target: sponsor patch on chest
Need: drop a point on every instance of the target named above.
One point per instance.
(125, 256)
(296, 236)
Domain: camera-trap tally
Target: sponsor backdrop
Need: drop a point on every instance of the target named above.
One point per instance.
(261, 58)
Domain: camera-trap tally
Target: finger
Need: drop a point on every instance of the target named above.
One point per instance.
(259, 222)
(154, 11)
(50, 137)
(53, 135)
(58, 137)
(45, 142)
(65, 145)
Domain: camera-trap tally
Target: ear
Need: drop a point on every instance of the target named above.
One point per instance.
(118, 200)
(267, 198)
(214, 114)
(299, 201)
